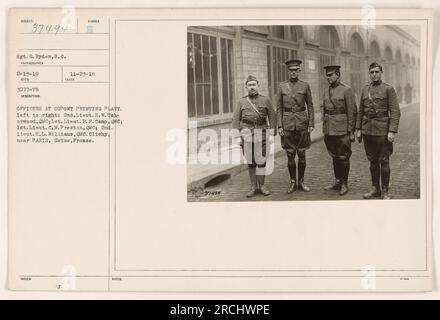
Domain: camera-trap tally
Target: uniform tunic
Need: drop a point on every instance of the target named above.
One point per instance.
(339, 107)
(247, 119)
(295, 114)
(339, 120)
(378, 114)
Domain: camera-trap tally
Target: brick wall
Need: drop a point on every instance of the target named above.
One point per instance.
(254, 53)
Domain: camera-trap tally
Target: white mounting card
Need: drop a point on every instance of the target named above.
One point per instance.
(125, 173)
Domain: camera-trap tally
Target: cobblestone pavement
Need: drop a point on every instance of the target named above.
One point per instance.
(405, 172)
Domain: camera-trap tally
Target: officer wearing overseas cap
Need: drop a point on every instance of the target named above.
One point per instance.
(251, 116)
(377, 123)
(339, 121)
(295, 122)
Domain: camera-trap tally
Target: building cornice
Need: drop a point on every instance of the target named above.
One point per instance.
(404, 34)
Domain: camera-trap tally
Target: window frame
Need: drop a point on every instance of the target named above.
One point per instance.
(280, 43)
(221, 117)
(324, 51)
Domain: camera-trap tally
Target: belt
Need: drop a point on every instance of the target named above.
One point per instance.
(255, 123)
(295, 109)
(376, 114)
(332, 112)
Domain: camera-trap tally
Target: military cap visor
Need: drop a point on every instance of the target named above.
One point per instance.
(293, 64)
(332, 68)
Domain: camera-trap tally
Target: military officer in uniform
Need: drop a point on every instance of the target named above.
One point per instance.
(295, 122)
(377, 124)
(339, 121)
(253, 115)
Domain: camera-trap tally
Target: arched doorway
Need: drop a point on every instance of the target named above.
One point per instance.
(408, 93)
(388, 66)
(399, 74)
(374, 51)
(357, 53)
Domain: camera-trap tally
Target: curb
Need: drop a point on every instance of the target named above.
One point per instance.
(236, 169)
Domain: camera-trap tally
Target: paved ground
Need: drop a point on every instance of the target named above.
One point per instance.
(405, 172)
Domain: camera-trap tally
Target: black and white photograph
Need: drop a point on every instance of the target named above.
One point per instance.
(243, 151)
(303, 112)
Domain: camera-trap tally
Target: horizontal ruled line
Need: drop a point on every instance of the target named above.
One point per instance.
(64, 82)
(61, 34)
(254, 270)
(64, 65)
(60, 49)
(218, 276)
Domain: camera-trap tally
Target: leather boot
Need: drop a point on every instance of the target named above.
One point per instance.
(252, 192)
(292, 173)
(302, 186)
(385, 195)
(345, 169)
(291, 165)
(263, 189)
(253, 178)
(344, 188)
(292, 187)
(301, 171)
(375, 192)
(337, 184)
(385, 177)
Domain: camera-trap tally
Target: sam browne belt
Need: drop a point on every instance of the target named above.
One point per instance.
(294, 109)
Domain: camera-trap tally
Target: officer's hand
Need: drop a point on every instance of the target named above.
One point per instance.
(359, 135)
(391, 136)
(281, 131)
(351, 137)
(311, 129)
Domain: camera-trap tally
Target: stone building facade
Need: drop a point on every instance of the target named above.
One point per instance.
(220, 58)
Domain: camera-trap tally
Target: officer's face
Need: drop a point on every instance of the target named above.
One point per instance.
(375, 74)
(294, 72)
(252, 87)
(332, 77)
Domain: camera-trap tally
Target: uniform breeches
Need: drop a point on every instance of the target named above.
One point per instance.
(339, 148)
(295, 140)
(379, 150)
(296, 143)
(254, 152)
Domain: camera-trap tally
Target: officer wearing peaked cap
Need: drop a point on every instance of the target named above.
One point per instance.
(339, 121)
(377, 123)
(296, 119)
(253, 115)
